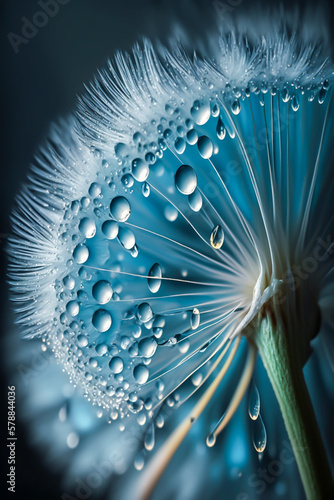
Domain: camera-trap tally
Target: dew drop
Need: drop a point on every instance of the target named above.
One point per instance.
(253, 402)
(110, 229)
(147, 347)
(94, 190)
(82, 340)
(87, 227)
(195, 201)
(120, 209)
(139, 462)
(80, 253)
(127, 180)
(144, 312)
(72, 440)
(217, 237)
(285, 95)
(72, 307)
(192, 136)
(294, 103)
(171, 213)
(145, 189)
(101, 349)
(126, 238)
(195, 319)
(140, 170)
(141, 374)
(236, 107)
(101, 320)
(322, 96)
(102, 292)
(186, 179)
(215, 110)
(149, 440)
(221, 130)
(69, 282)
(154, 282)
(180, 145)
(205, 147)
(259, 435)
(116, 365)
(200, 112)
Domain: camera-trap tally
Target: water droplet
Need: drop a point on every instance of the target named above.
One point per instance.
(126, 238)
(192, 136)
(294, 103)
(145, 189)
(101, 349)
(211, 440)
(197, 378)
(217, 237)
(154, 282)
(140, 170)
(180, 145)
(215, 110)
(171, 213)
(101, 320)
(120, 209)
(116, 365)
(127, 180)
(200, 112)
(82, 340)
(80, 253)
(72, 440)
(94, 190)
(72, 307)
(110, 229)
(195, 201)
(69, 282)
(102, 292)
(121, 150)
(253, 402)
(186, 179)
(144, 312)
(147, 347)
(236, 107)
(205, 147)
(221, 130)
(141, 374)
(322, 95)
(149, 439)
(195, 319)
(139, 461)
(87, 227)
(285, 95)
(259, 434)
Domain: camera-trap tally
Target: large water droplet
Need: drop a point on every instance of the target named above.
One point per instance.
(140, 170)
(110, 229)
(149, 439)
(253, 402)
(101, 320)
(116, 364)
(154, 282)
(186, 179)
(200, 112)
(147, 347)
(80, 253)
(144, 312)
(72, 307)
(126, 238)
(120, 209)
(195, 201)
(205, 147)
(217, 237)
(87, 227)
(259, 435)
(141, 374)
(102, 292)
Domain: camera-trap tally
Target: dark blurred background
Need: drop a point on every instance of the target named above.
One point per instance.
(40, 80)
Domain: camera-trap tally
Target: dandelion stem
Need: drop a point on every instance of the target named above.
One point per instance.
(286, 375)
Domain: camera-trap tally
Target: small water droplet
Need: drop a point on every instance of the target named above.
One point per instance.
(221, 130)
(144, 312)
(294, 103)
(126, 238)
(259, 434)
(322, 95)
(180, 145)
(147, 347)
(211, 440)
(253, 402)
(120, 209)
(217, 237)
(82, 340)
(140, 170)
(80, 253)
(102, 320)
(116, 365)
(87, 227)
(171, 213)
(205, 147)
(195, 201)
(195, 319)
(236, 107)
(141, 374)
(110, 229)
(149, 440)
(145, 189)
(186, 179)
(192, 136)
(154, 282)
(102, 292)
(200, 112)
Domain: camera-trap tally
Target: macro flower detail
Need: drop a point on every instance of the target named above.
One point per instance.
(183, 208)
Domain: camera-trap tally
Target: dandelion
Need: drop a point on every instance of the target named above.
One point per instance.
(183, 209)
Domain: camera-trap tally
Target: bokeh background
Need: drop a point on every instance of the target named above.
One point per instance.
(38, 85)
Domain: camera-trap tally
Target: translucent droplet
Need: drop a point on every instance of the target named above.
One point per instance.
(80, 253)
(141, 374)
(322, 95)
(139, 461)
(147, 347)
(69, 282)
(82, 340)
(72, 440)
(127, 180)
(195, 201)
(94, 190)
(259, 435)
(294, 103)
(120, 209)
(221, 130)
(126, 237)
(110, 229)
(87, 227)
(102, 292)
(144, 312)
(171, 213)
(186, 179)
(217, 237)
(154, 282)
(101, 349)
(72, 307)
(192, 136)
(101, 320)
(211, 440)
(145, 189)
(121, 150)
(253, 402)
(140, 170)
(149, 440)
(205, 147)
(180, 145)
(236, 107)
(195, 319)
(200, 112)
(215, 110)
(197, 378)
(285, 95)
(116, 364)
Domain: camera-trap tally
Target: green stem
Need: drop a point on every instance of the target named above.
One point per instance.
(286, 375)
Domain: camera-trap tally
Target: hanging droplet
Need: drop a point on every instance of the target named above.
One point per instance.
(322, 95)
(153, 281)
(221, 130)
(145, 189)
(186, 179)
(171, 213)
(144, 312)
(211, 440)
(205, 147)
(259, 435)
(294, 103)
(285, 95)
(120, 209)
(253, 402)
(217, 237)
(236, 107)
(139, 461)
(149, 440)
(195, 201)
